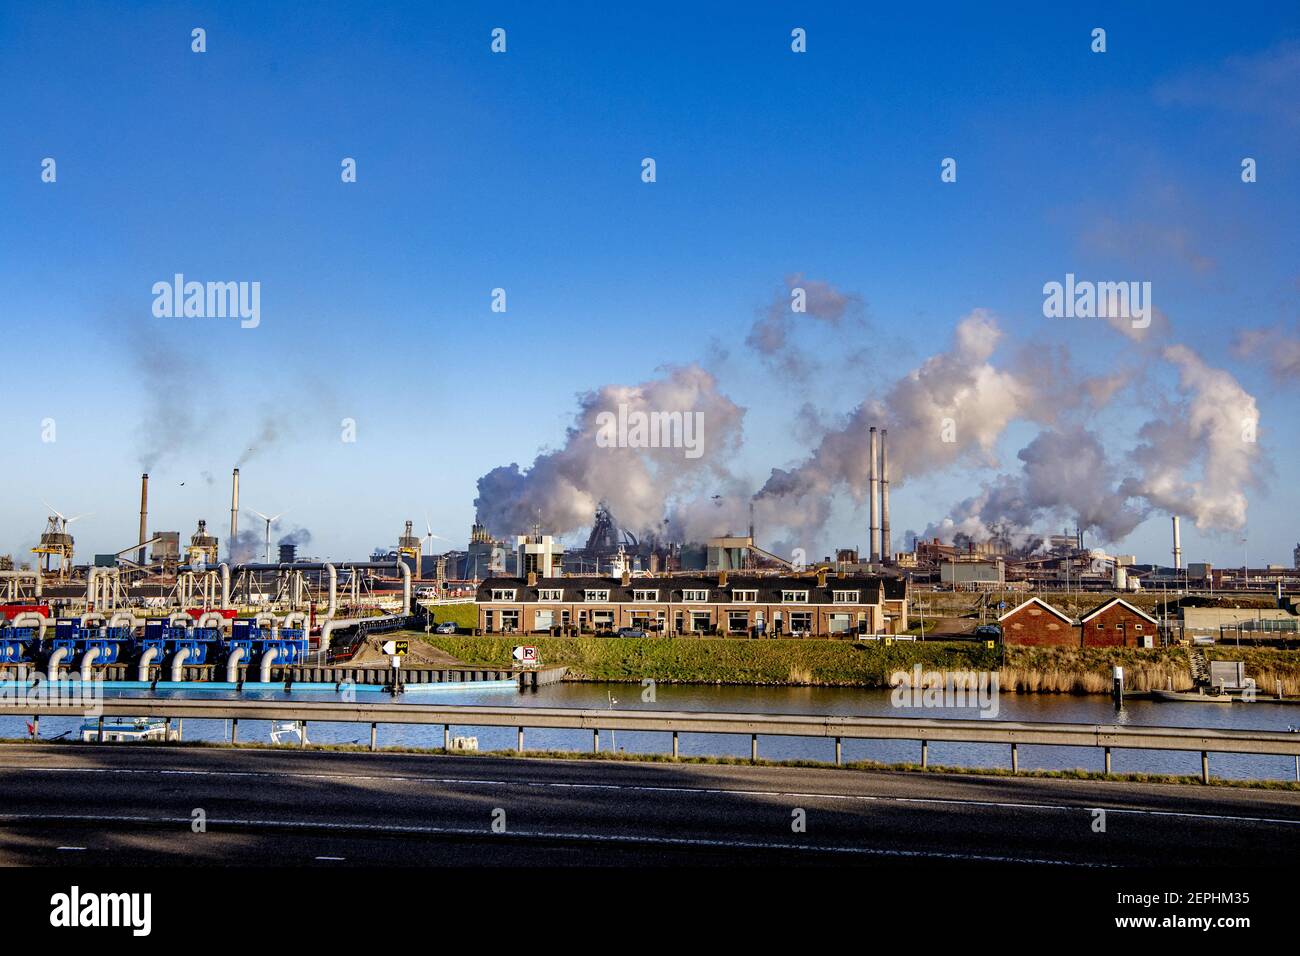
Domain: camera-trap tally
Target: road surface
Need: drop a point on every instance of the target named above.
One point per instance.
(125, 804)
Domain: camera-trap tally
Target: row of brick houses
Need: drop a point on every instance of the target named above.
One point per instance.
(754, 605)
(1114, 623)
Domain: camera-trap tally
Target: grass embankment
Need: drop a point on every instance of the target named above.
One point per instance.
(464, 616)
(847, 664)
(722, 660)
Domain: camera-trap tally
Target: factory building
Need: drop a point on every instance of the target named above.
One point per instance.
(752, 605)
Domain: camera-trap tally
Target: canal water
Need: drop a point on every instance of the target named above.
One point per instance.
(780, 700)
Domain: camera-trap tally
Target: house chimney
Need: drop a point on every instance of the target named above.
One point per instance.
(626, 579)
(532, 579)
(1178, 547)
(821, 572)
(144, 513)
(875, 498)
(722, 579)
(234, 512)
(886, 548)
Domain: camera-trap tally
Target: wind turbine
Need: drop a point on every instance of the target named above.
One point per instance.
(428, 538)
(268, 521)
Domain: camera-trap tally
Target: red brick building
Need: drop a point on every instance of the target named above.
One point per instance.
(1036, 623)
(1118, 624)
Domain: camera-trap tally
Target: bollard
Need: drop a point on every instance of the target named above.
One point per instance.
(302, 741)
(595, 741)
(753, 748)
(101, 730)
(234, 729)
(1117, 685)
(520, 746)
(839, 751)
(1279, 688)
(1205, 766)
(36, 725)
(675, 746)
(1108, 761)
(925, 754)
(374, 736)
(1015, 758)
(446, 736)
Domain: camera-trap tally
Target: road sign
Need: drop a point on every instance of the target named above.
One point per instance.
(525, 654)
(395, 648)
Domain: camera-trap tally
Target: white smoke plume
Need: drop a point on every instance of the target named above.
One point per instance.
(952, 408)
(562, 488)
(1198, 459)
(769, 336)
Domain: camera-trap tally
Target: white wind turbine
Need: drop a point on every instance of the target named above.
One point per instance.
(268, 520)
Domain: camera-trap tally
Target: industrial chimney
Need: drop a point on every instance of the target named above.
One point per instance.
(234, 512)
(144, 513)
(1178, 547)
(875, 498)
(886, 548)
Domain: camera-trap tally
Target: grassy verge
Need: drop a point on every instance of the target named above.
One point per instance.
(722, 660)
(868, 766)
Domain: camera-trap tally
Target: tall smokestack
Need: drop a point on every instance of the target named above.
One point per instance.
(144, 512)
(1178, 547)
(875, 498)
(886, 548)
(234, 512)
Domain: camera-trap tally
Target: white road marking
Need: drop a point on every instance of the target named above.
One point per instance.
(69, 848)
(332, 859)
(644, 788)
(629, 839)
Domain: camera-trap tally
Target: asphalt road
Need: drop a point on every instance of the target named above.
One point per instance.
(122, 804)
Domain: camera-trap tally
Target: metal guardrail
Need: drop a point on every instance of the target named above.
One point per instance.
(924, 730)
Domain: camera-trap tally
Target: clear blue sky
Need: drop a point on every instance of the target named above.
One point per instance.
(523, 171)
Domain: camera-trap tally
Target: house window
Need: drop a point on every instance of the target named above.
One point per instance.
(794, 597)
(599, 597)
(501, 594)
(1139, 627)
(549, 594)
(800, 623)
(845, 597)
(695, 596)
(745, 597)
(645, 596)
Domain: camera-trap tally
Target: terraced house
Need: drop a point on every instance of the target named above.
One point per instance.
(804, 605)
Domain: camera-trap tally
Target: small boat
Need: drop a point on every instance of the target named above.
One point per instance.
(125, 729)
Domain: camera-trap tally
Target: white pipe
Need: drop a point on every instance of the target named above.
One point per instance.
(298, 618)
(145, 660)
(87, 660)
(178, 662)
(32, 619)
(334, 591)
(330, 626)
(406, 586)
(180, 617)
(232, 665)
(211, 619)
(268, 659)
(122, 619)
(55, 660)
(225, 585)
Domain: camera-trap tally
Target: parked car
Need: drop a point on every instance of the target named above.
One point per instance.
(988, 632)
(445, 627)
(631, 632)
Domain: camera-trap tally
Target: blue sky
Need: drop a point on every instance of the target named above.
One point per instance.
(522, 171)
